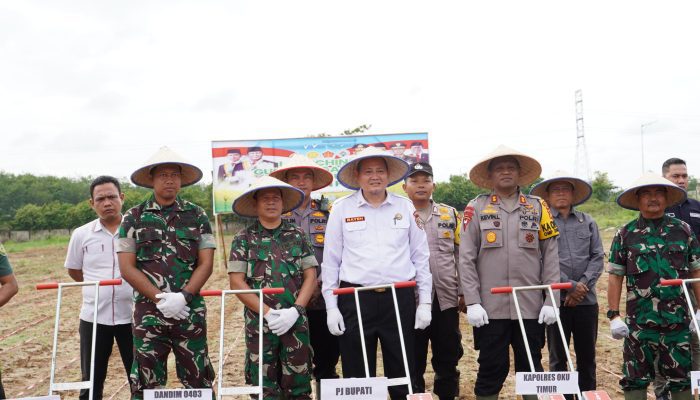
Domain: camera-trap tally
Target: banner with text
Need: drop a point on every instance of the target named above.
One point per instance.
(238, 162)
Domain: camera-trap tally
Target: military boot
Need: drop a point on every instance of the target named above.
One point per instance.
(635, 395)
(683, 395)
(529, 397)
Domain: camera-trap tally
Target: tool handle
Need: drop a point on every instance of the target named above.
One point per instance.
(671, 282)
(273, 290)
(210, 292)
(54, 285)
(405, 284)
(345, 290)
(562, 285)
(111, 282)
(48, 285)
(502, 290)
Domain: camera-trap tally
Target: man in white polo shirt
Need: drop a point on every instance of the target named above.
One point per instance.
(92, 257)
(372, 238)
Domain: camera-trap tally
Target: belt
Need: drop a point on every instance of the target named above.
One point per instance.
(344, 284)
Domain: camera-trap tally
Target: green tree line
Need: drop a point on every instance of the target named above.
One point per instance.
(30, 202)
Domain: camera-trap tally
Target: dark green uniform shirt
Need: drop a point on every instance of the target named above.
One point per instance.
(646, 251)
(166, 242)
(273, 258)
(5, 267)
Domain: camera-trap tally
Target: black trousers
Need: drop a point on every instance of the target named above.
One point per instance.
(106, 334)
(446, 342)
(379, 323)
(492, 341)
(325, 345)
(582, 323)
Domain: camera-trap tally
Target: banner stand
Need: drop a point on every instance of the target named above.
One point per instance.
(220, 239)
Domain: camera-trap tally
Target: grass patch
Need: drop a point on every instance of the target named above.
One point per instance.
(52, 241)
(607, 214)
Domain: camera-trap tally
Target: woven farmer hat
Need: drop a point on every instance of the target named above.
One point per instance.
(190, 173)
(397, 167)
(244, 205)
(322, 177)
(530, 169)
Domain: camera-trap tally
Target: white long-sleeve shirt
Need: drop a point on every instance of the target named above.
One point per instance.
(368, 246)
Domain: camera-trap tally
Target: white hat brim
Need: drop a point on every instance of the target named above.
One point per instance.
(322, 177)
(190, 173)
(530, 169)
(397, 168)
(245, 204)
(582, 190)
(629, 200)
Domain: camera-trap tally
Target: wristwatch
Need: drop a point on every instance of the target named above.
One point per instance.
(188, 296)
(301, 309)
(613, 313)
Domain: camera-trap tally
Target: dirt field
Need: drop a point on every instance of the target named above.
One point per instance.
(26, 334)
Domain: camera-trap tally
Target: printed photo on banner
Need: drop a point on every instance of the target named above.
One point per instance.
(236, 163)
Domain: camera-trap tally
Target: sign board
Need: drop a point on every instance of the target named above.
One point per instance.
(355, 388)
(546, 383)
(237, 163)
(177, 394)
(694, 381)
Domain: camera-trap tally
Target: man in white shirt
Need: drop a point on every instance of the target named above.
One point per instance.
(372, 238)
(92, 257)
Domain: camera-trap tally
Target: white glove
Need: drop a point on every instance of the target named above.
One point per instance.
(334, 320)
(548, 315)
(286, 318)
(423, 316)
(173, 305)
(476, 315)
(697, 317)
(619, 329)
(270, 316)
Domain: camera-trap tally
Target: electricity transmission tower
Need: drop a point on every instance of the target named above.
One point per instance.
(581, 167)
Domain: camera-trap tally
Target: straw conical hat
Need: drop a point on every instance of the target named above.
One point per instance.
(628, 199)
(530, 169)
(397, 167)
(292, 197)
(190, 173)
(322, 178)
(582, 190)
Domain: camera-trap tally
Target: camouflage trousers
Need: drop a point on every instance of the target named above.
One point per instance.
(286, 359)
(152, 345)
(671, 347)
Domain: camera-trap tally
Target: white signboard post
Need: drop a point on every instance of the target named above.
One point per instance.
(546, 383)
(355, 388)
(177, 394)
(694, 381)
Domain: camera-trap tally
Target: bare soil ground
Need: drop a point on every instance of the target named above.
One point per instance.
(26, 335)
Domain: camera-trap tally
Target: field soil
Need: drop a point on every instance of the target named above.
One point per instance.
(27, 325)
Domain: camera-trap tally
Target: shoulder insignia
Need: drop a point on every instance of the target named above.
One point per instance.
(468, 215)
(548, 228)
(444, 210)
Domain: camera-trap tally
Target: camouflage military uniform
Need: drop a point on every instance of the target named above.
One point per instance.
(166, 242)
(646, 251)
(313, 220)
(276, 258)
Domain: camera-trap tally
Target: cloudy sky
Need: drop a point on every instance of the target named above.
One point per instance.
(89, 88)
